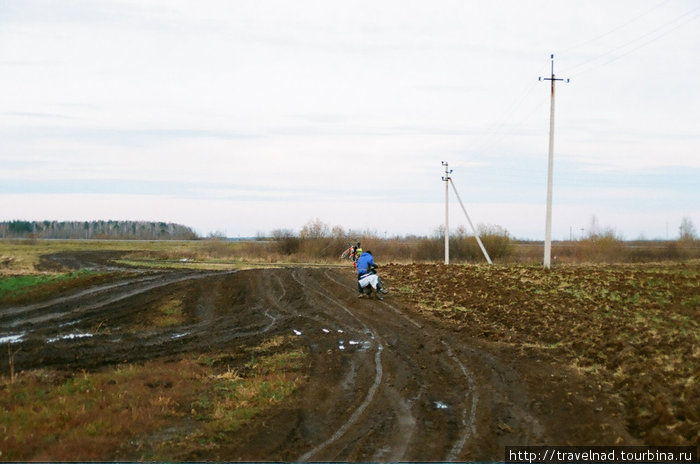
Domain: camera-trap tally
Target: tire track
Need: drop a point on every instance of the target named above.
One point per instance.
(357, 413)
(92, 291)
(472, 396)
(45, 346)
(407, 409)
(468, 421)
(369, 397)
(209, 327)
(468, 418)
(419, 390)
(397, 311)
(113, 299)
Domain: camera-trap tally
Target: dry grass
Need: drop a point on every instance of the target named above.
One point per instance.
(22, 256)
(165, 313)
(19, 257)
(122, 412)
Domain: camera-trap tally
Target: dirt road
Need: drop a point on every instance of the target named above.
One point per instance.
(385, 383)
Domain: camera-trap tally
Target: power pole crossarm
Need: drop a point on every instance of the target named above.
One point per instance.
(550, 168)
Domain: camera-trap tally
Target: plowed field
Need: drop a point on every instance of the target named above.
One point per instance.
(632, 331)
(455, 364)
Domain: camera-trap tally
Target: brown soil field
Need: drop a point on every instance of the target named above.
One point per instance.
(631, 331)
(454, 364)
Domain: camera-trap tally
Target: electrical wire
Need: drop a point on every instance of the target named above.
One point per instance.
(654, 39)
(495, 133)
(615, 29)
(655, 34)
(504, 119)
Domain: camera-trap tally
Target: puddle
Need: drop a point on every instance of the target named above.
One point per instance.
(66, 324)
(69, 337)
(296, 332)
(176, 336)
(11, 339)
(326, 331)
(341, 344)
(440, 405)
(340, 331)
(361, 346)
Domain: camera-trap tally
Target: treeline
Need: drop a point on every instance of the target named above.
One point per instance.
(117, 230)
(317, 240)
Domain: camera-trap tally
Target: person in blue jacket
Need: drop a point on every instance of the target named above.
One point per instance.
(365, 263)
(367, 274)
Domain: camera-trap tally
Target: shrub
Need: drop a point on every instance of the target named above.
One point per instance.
(287, 243)
(496, 241)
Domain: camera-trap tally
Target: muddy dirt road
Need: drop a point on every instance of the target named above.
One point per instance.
(385, 383)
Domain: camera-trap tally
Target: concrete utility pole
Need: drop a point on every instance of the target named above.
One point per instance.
(446, 179)
(476, 234)
(548, 227)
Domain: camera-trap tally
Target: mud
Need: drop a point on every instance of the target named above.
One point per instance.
(403, 387)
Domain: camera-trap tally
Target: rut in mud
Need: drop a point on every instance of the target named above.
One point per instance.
(385, 383)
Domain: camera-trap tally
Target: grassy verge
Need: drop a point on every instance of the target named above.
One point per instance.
(216, 265)
(22, 288)
(184, 263)
(631, 329)
(13, 286)
(159, 410)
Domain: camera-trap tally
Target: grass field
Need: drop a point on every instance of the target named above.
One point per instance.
(22, 256)
(632, 329)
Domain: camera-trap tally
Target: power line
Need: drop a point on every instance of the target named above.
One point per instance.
(615, 29)
(495, 133)
(654, 39)
(681, 20)
(503, 119)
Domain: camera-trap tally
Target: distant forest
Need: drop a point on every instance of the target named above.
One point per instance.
(121, 230)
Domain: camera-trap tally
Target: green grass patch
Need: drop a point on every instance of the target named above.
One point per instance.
(14, 287)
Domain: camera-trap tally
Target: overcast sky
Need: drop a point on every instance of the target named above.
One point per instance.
(248, 116)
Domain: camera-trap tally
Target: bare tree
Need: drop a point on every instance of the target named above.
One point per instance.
(314, 229)
(686, 230)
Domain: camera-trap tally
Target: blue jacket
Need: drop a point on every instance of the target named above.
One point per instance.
(364, 263)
